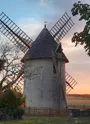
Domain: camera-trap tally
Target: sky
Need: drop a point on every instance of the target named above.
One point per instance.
(30, 16)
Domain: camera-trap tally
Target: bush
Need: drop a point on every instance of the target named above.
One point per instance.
(12, 98)
(11, 113)
(11, 105)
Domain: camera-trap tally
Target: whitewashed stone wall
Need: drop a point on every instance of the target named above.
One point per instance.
(41, 87)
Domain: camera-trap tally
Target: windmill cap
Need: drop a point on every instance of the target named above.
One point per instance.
(42, 47)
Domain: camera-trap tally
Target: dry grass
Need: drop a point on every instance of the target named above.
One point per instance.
(78, 102)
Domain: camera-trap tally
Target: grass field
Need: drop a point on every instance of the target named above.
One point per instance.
(49, 120)
(78, 102)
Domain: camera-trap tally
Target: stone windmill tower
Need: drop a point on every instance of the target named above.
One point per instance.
(44, 74)
(44, 63)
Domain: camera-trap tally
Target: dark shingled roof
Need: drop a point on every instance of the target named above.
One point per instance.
(42, 47)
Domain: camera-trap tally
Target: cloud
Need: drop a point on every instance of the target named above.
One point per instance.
(31, 26)
(44, 2)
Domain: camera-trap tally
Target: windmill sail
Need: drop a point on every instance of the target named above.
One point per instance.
(15, 79)
(62, 93)
(58, 31)
(71, 82)
(14, 33)
(20, 39)
(61, 28)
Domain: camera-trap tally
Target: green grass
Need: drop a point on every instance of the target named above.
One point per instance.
(49, 120)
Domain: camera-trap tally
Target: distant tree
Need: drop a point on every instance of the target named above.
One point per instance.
(10, 62)
(83, 37)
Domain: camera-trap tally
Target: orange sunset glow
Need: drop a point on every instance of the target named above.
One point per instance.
(79, 63)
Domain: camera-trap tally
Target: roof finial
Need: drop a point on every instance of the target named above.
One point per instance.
(45, 24)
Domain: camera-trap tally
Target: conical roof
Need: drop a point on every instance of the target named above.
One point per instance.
(42, 47)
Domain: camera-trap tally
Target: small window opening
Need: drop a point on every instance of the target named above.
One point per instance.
(54, 69)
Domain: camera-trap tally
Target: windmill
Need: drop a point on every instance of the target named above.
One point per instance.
(23, 42)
